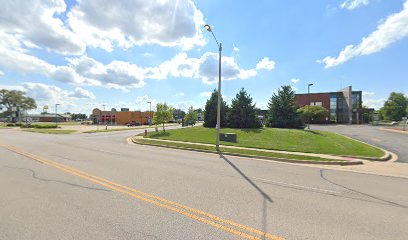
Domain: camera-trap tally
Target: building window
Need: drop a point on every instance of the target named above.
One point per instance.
(315, 103)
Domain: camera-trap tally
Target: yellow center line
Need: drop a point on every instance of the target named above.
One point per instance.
(161, 202)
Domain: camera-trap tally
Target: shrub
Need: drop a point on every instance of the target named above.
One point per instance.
(27, 126)
(45, 126)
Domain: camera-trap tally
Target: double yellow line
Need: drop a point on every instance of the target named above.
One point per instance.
(207, 218)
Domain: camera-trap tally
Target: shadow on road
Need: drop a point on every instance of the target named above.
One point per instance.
(34, 176)
(322, 175)
(265, 196)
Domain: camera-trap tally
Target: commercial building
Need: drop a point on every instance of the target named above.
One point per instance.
(345, 106)
(114, 117)
(45, 117)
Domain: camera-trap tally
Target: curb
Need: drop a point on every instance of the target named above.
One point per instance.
(342, 163)
(387, 154)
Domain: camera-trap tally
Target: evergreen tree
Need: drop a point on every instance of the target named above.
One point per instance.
(210, 113)
(242, 113)
(283, 110)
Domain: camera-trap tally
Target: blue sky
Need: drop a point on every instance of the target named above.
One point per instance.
(85, 54)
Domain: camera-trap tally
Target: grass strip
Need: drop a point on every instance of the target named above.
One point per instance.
(50, 131)
(293, 140)
(243, 152)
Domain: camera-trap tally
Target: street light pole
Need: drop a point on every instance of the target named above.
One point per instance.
(308, 113)
(56, 114)
(150, 114)
(218, 126)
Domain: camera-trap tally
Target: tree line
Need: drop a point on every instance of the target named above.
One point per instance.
(282, 111)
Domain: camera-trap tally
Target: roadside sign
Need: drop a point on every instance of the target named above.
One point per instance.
(14, 109)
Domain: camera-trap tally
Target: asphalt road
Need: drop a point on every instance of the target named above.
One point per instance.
(391, 141)
(42, 199)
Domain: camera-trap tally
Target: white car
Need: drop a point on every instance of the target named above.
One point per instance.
(394, 123)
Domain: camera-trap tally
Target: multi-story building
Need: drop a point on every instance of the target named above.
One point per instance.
(114, 117)
(345, 106)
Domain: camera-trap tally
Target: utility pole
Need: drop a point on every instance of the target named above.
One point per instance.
(218, 126)
(308, 113)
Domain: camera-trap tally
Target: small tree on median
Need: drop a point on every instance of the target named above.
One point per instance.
(191, 116)
(164, 113)
(317, 114)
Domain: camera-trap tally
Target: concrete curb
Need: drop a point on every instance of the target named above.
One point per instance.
(387, 154)
(342, 163)
(394, 131)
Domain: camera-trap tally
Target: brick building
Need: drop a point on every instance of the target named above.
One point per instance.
(114, 117)
(345, 106)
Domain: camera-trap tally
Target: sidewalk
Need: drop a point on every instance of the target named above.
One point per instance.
(392, 169)
(386, 168)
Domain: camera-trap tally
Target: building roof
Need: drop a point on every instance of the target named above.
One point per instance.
(52, 115)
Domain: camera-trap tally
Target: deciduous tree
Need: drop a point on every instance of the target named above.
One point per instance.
(164, 113)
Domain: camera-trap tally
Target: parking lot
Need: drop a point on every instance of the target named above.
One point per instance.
(376, 135)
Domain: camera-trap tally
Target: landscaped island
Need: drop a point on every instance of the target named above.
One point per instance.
(277, 139)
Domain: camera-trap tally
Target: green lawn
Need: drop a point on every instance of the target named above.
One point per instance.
(277, 139)
(59, 123)
(50, 131)
(244, 152)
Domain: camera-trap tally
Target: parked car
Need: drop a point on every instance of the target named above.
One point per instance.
(394, 123)
(131, 124)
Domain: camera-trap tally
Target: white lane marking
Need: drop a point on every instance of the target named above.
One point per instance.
(116, 153)
(298, 186)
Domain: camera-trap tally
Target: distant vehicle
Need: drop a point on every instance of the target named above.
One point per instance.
(86, 122)
(394, 123)
(131, 124)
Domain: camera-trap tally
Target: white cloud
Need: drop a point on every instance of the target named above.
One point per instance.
(295, 88)
(266, 64)
(82, 93)
(205, 94)
(371, 101)
(353, 4)
(235, 49)
(368, 94)
(1, 73)
(106, 23)
(180, 94)
(86, 71)
(295, 80)
(208, 69)
(374, 103)
(204, 68)
(50, 95)
(394, 28)
(34, 24)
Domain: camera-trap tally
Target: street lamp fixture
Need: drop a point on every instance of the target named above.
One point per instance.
(308, 114)
(218, 126)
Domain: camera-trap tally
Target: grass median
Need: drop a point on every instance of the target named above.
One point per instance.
(50, 131)
(277, 139)
(241, 152)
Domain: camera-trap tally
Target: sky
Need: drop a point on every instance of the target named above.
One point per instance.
(86, 54)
